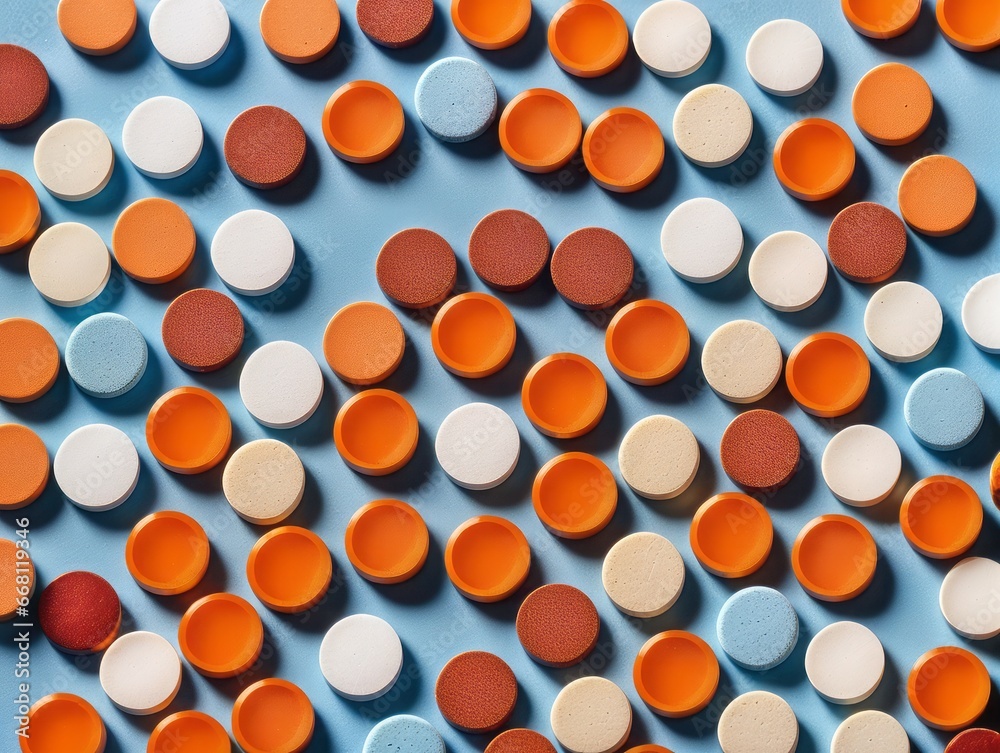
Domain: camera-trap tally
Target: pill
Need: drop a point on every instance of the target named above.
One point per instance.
(188, 430)
(892, 104)
(29, 360)
(672, 38)
(828, 374)
(202, 330)
(647, 342)
(590, 698)
(904, 321)
(760, 450)
(788, 271)
(96, 467)
(289, 569)
(867, 242)
(948, 688)
(741, 361)
(676, 674)
(564, 395)
(361, 657)
(758, 628)
(834, 558)
(265, 147)
(944, 409)
(785, 57)
(575, 495)
(106, 355)
(416, 268)
(758, 722)
(24, 466)
(476, 692)
(702, 240)
(845, 662)
(937, 195)
(24, 86)
(883, 19)
(713, 125)
(558, 625)
(814, 159)
(397, 733)
(395, 23)
(21, 214)
(974, 741)
(995, 481)
(643, 574)
(364, 343)
(623, 149)
(981, 313)
(17, 578)
(487, 558)
(271, 715)
(74, 159)
(509, 250)
(387, 541)
(263, 481)
(520, 741)
(376, 432)
(197, 730)
(473, 335)
(79, 612)
(281, 384)
(540, 130)
(941, 516)
(478, 445)
(592, 268)
(163, 137)
(97, 28)
(221, 635)
(724, 549)
(659, 457)
(167, 552)
(189, 34)
(491, 26)
(969, 25)
(59, 720)
(363, 122)
(456, 99)
(966, 594)
(253, 252)
(299, 31)
(870, 732)
(69, 264)
(861, 465)
(146, 691)
(588, 38)
(153, 241)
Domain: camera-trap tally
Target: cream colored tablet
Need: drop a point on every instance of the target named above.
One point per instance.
(673, 38)
(659, 457)
(702, 240)
(69, 264)
(253, 252)
(870, 732)
(591, 715)
(903, 320)
(741, 361)
(970, 598)
(643, 574)
(785, 57)
(478, 446)
(713, 125)
(361, 657)
(861, 465)
(981, 313)
(141, 673)
(281, 384)
(189, 34)
(758, 722)
(264, 481)
(163, 137)
(74, 159)
(788, 270)
(96, 467)
(845, 662)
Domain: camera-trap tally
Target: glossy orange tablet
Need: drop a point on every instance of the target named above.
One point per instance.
(647, 342)
(153, 241)
(376, 432)
(63, 722)
(814, 159)
(676, 674)
(20, 213)
(948, 688)
(29, 360)
(189, 732)
(834, 558)
(363, 122)
(892, 104)
(221, 635)
(300, 31)
(491, 25)
(24, 466)
(188, 430)
(588, 38)
(289, 569)
(97, 27)
(937, 195)
(487, 558)
(167, 552)
(941, 516)
(564, 395)
(273, 715)
(473, 335)
(881, 19)
(828, 374)
(387, 541)
(732, 535)
(623, 150)
(995, 481)
(575, 495)
(972, 25)
(540, 130)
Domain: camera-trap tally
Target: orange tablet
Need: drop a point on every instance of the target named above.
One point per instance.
(881, 19)
(221, 635)
(941, 517)
(24, 466)
(300, 31)
(29, 360)
(189, 732)
(363, 122)
(387, 541)
(732, 535)
(937, 195)
(491, 25)
(167, 552)
(948, 688)
(647, 342)
(623, 150)
(648, 749)
(676, 674)
(814, 159)
(273, 715)
(540, 130)
(364, 343)
(972, 25)
(588, 38)
(61, 722)
(487, 558)
(892, 104)
(153, 241)
(376, 432)
(995, 481)
(473, 335)
(20, 213)
(289, 569)
(188, 430)
(828, 374)
(17, 578)
(564, 395)
(834, 558)
(97, 27)
(575, 495)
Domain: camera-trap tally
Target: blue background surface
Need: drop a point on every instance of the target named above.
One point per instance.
(341, 214)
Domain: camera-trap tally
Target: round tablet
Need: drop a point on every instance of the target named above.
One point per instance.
(364, 343)
(981, 313)
(141, 692)
(845, 662)
(659, 457)
(588, 38)
(814, 159)
(758, 722)
(289, 569)
(395, 23)
(758, 628)
(69, 264)
(702, 240)
(558, 625)
(189, 34)
(903, 320)
(221, 635)
(592, 268)
(456, 99)
(575, 495)
(969, 25)
(741, 361)
(944, 409)
(153, 241)
(62, 721)
(167, 553)
(74, 159)
(387, 541)
(892, 104)
(477, 445)
(623, 149)
(273, 715)
(29, 360)
(264, 481)
(788, 271)
(643, 574)
(188, 430)
(363, 122)
(713, 125)
(828, 374)
(191, 730)
(300, 31)
(540, 130)
(760, 450)
(676, 673)
(867, 242)
(80, 612)
(834, 558)
(487, 558)
(564, 395)
(647, 342)
(265, 147)
(974, 741)
(202, 330)
(882, 19)
(591, 698)
(941, 517)
(491, 26)
(869, 732)
(861, 465)
(24, 86)
(376, 432)
(253, 252)
(672, 38)
(106, 355)
(281, 384)
(937, 195)
(473, 335)
(785, 57)
(967, 595)
(361, 657)
(476, 692)
(21, 214)
(948, 688)
(17, 582)
(97, 467)
(509, 250)
(163, 137)
(519, 741)
(416, 268)
(401, 732)
(24, 466)
(97, 28)
(995, 481)
(732, 535)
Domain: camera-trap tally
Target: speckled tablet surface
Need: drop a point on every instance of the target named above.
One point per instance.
(456, 99)
(403, 734)
(106, 355)
(944, 409)
(758, 628)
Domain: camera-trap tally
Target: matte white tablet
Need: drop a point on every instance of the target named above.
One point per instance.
(163, 137)
(981, 313)
(845, 662)
(141, 673)
(591, 715)
(741, 361)
(281, 384)
(253, 252)
(970, 598)
(788, 271)
(478, 446)
(713, 125)
(96, 467)
(69, 264)
(785, 57)
(659, 457)
(643, 574)
(264, 481)
(861, 465)
(361, 657)
(672, 37)
(702, 240)
(758, 722)
(189, 34)
(903, 320)
(74, 159)
(870, 732)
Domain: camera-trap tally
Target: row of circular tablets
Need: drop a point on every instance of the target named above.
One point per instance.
(967, 24)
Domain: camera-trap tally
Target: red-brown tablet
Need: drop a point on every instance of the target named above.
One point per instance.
(202, 330)
(265, 147)
(592, 268)
(520, 741)
(558, 625)
(973, 741)
(395, 23)
(80, 612)
(416, 268)
(760, 450)
(24, 86)
(867, 242)
(476, 692)
(509, 249)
